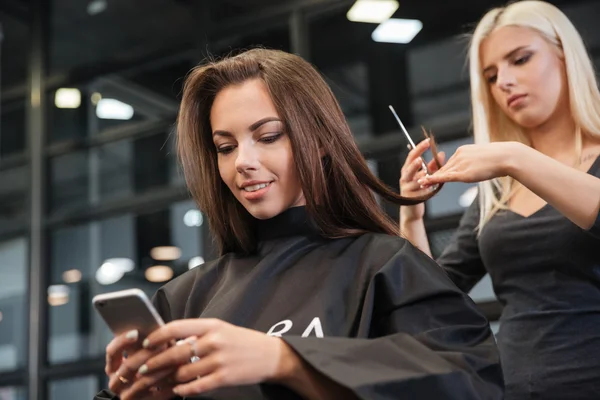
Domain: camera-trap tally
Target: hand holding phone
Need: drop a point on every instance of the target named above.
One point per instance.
(131, 317)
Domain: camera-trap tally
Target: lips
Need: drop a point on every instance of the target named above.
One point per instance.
(255, 191)
(253, 184)
(254, 188)
(514, 98)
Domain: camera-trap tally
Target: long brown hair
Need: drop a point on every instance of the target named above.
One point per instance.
(338, 187)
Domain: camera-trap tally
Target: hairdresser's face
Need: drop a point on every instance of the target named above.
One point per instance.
(525, 74)
(254, 153)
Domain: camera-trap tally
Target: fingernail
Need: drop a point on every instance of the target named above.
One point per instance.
(177, 390)
(146, 343)
(143, 369)
(408, 146)
(132, 335)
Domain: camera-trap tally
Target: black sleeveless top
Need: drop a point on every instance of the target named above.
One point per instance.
(546, 272)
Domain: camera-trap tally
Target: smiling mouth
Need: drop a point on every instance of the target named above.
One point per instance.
(254, 188)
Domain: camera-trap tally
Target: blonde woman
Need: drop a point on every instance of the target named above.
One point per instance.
(535, 227)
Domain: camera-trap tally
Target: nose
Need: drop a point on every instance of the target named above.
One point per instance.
(247, 158)
(505, 79)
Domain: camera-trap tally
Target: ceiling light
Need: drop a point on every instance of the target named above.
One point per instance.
(113, 269)
(71, 276)
(67, 98)
(165, 253)
(193, 218)
(58, 295)
(195, 261)
(96, 7)
(373, 11)
(468, 197)
(159, 273)
(95, 98)
(122, 263)
(397, 30)
(108, 274)
(113, 109)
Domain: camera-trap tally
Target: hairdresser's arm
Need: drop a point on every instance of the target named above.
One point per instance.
(414, 232)
(574, 193)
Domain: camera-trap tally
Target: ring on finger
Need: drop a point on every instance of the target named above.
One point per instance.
(193, 352)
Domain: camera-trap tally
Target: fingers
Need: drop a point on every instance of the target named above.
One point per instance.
(408, 173)
(125, 376)
(203, 367)
(172, 358)
(180, 329)
(417, 152)
(202, 384)
(151, 386)
(432, 166)
(115, 349)
(442, 176)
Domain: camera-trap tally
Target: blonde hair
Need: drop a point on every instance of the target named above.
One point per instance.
(490, 124)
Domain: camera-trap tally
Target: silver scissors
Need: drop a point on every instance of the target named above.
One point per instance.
(423, 163)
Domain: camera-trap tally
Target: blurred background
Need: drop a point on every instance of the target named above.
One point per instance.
(91, 196)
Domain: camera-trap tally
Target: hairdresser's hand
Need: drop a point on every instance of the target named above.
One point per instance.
(122, 375)
(228, 356)
(475, 163)
(411, 172)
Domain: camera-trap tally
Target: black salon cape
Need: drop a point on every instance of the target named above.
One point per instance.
(393, 324)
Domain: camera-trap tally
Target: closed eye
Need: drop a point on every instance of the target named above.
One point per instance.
(225, 149)
(270, 138)
(522, 60)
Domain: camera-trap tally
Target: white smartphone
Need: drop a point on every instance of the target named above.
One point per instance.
(126, 310)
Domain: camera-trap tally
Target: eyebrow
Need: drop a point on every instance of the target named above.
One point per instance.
(252, 127)
(507, 56)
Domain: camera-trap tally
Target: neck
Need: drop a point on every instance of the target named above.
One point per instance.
(555, 138)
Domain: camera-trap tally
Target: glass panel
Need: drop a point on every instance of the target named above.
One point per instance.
(109, 255)
(67, 114)
(14, 187)
(117, 102)
(495, 327)
(12, 128)
(13, 304)
(78, 112)
(74, 388)
(69, 181)
(483, 291)
(455, 197)
(107, 41)
(438, 241)
(113, 171)
(13, 393)
(334, 50)
(13, 71)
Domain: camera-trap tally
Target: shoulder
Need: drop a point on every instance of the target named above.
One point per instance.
(395, 261)
(171, 299)
(391, 250)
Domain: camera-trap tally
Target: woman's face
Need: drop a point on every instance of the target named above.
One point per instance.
(254, 153)
(525, 74)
